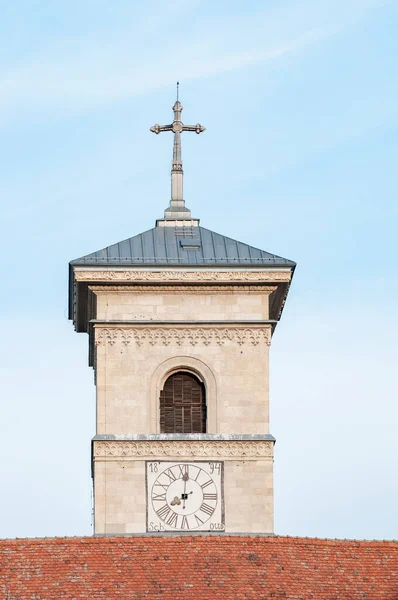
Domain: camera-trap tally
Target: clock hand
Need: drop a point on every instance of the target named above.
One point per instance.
(185, 490)
(184, 496)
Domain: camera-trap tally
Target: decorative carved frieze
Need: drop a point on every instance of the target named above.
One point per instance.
(181, 289)
(194, 449)
(109, 336)
(184, 276)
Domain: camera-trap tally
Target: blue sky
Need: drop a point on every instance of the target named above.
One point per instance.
(300, 104)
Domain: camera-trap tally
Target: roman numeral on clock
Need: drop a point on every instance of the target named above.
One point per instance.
(184, 523)
(162, 485)
(169, 473)
(172, 520)
(159, 497)
(198, 521)
(207, 509)
(184, 470)
(206, 483)
(163, 512)
(209, 496)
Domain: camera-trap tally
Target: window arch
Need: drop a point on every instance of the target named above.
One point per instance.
(183, 404)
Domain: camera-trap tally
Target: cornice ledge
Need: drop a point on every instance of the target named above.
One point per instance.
(212, 437)
(126, 323)
(183, 289)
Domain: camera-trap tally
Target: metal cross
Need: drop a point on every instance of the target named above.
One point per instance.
(177, 127)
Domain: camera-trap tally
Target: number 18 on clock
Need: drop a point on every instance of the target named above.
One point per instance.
(185, 496)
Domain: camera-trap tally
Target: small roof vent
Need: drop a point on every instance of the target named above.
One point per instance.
(190, 243)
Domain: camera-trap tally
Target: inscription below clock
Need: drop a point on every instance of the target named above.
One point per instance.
(185, 496)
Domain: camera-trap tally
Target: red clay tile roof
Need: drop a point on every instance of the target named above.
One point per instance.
(197, 567)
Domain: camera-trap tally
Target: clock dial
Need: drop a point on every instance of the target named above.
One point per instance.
(185, 496)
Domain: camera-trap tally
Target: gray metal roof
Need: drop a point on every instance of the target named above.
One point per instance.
(182, 246)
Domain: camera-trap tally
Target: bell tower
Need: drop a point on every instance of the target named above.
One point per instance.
(180, 321)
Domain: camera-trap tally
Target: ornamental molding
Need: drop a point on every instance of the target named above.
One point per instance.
(194, 449)
(185, 276)
(181, 289)
(109, 336)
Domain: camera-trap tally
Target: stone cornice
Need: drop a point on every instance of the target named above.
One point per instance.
(183, 437)
(166, 335)
(186, 448)
(183, 276)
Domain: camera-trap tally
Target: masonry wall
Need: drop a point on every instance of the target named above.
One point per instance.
(133, 361)
(130, 377)
(182, 303)
(120, 500)
(143, 334)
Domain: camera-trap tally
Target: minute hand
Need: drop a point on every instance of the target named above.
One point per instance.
(184, 495)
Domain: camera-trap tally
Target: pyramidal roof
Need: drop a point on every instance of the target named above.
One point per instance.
(182, 245)
(178, 239)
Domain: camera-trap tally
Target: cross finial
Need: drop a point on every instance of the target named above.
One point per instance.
(177, 209)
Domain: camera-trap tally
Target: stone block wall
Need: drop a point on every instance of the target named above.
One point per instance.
(121, 492)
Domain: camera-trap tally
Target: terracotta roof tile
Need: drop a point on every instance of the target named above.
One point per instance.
(192, 567)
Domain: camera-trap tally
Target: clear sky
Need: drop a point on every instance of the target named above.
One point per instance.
(299, 157)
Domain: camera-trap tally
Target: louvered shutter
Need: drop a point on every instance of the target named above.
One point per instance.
(183, 405)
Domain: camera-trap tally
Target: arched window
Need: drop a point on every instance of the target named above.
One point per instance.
(183, 404)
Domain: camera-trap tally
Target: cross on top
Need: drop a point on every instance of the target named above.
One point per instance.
(177, 207)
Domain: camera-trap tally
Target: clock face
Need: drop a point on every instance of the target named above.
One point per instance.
(185, 496)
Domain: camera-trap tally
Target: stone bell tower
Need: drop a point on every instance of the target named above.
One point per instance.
(180, 320)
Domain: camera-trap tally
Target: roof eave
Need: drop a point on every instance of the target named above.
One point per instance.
(203, 265)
